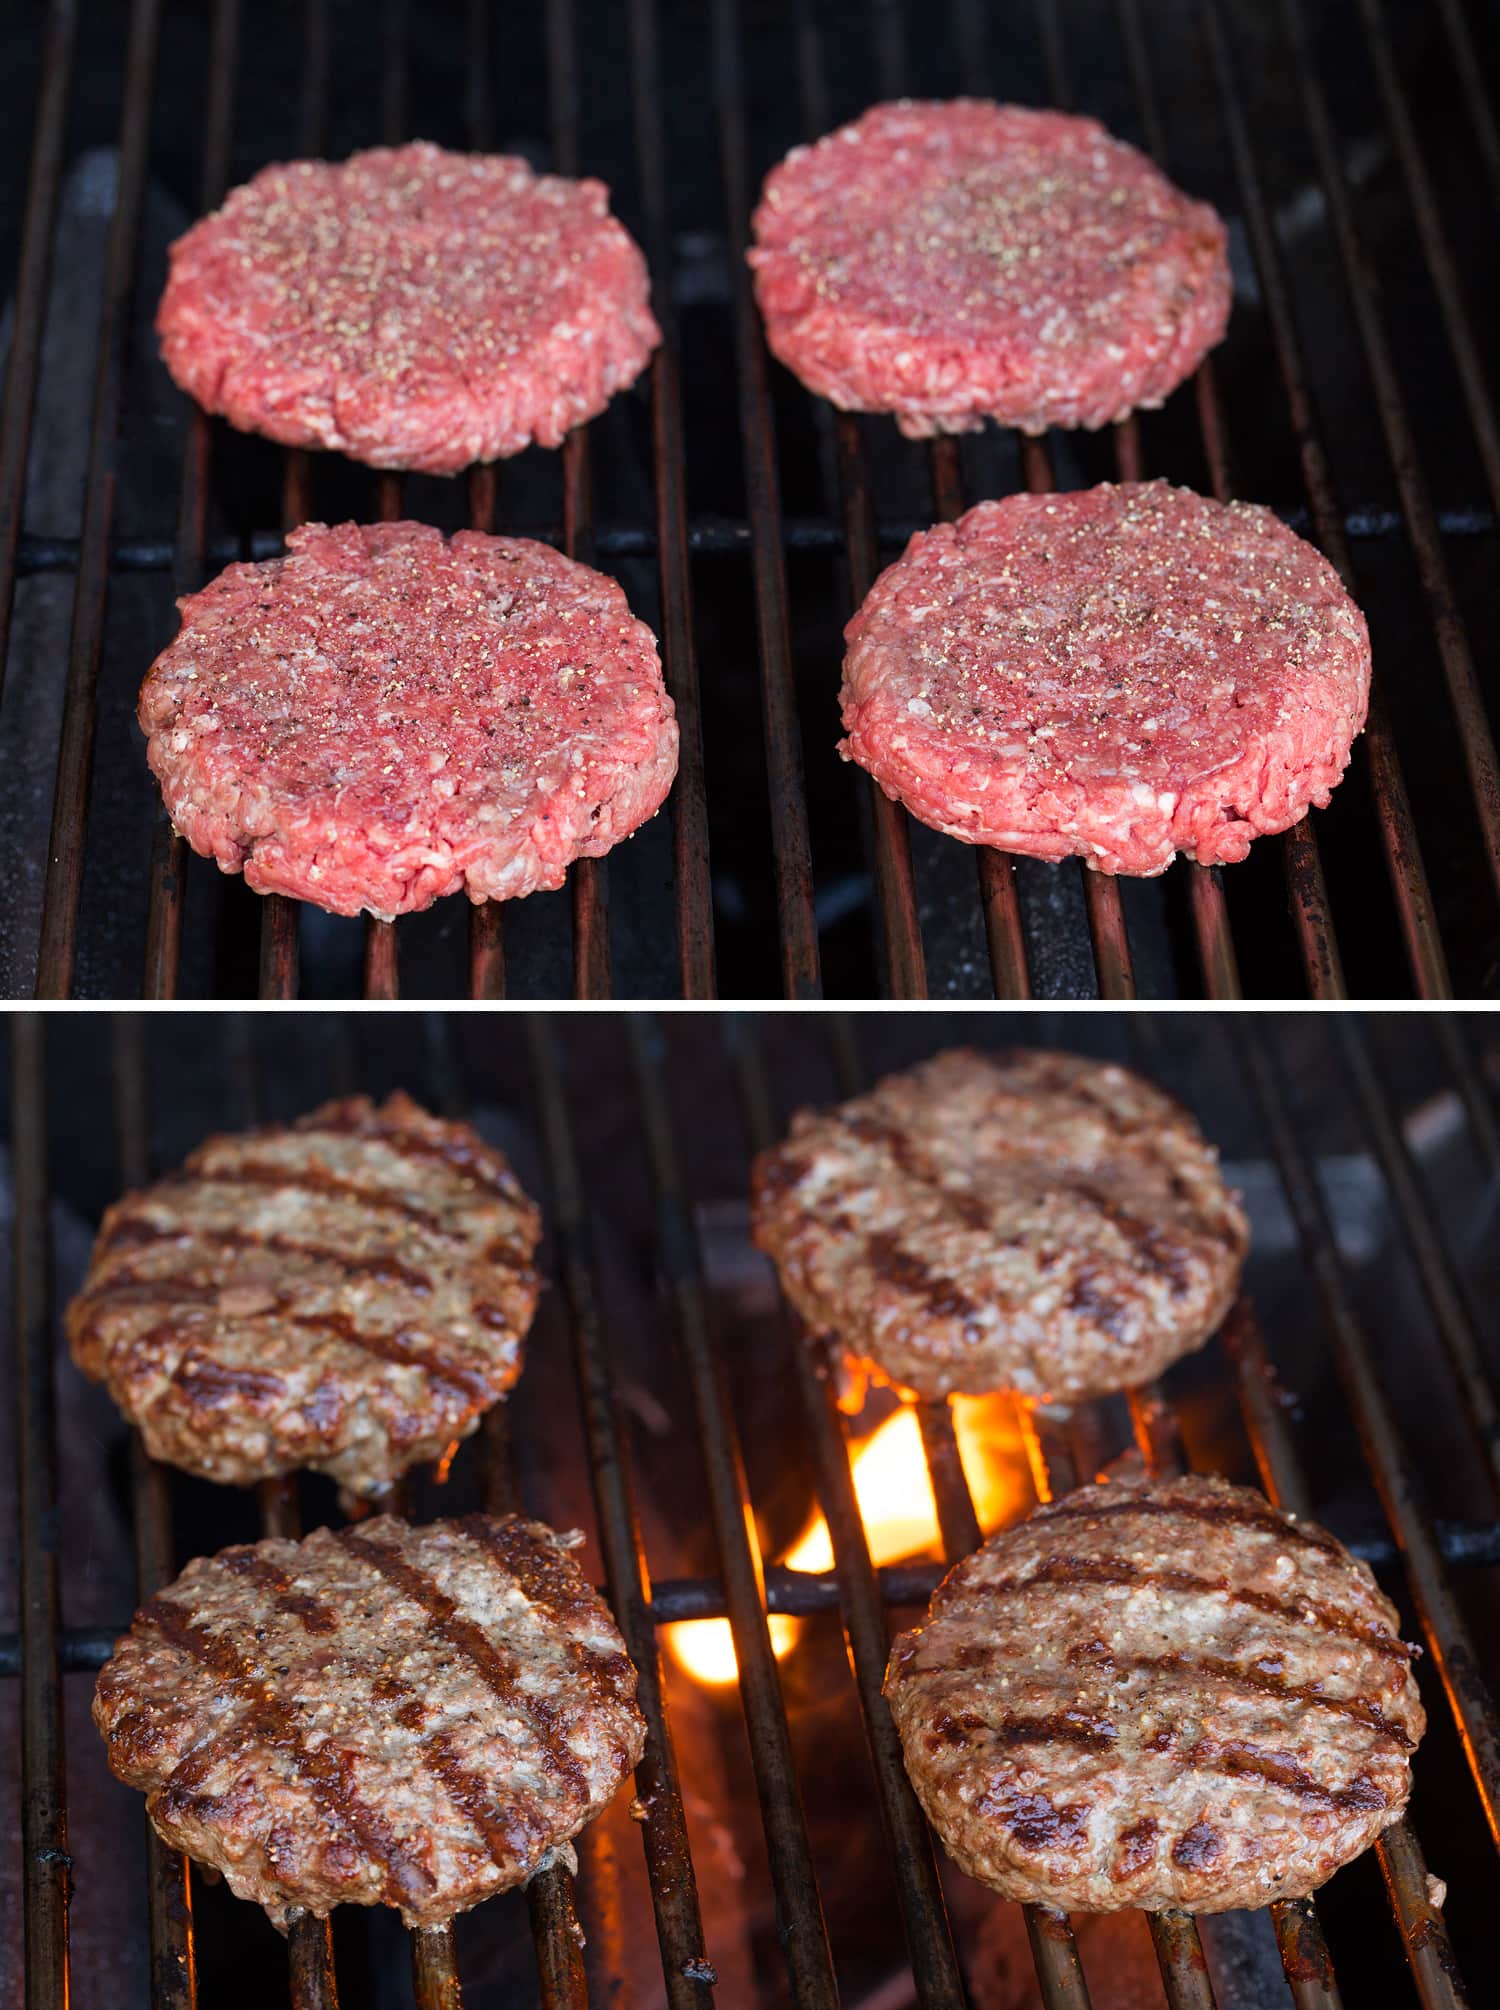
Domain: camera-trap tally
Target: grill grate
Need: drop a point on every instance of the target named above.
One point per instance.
(650, 1073)
(823, 882)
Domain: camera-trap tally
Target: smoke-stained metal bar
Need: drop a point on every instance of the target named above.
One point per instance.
(803, 1932)
(1408, 874)
(46, 1865)
(75, 754)
(689, 808)
(790, 842)
(1386, 1456)
(33, 274)
(686, 1968)
(1423, 1930)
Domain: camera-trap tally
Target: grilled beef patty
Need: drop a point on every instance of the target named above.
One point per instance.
(1029, 1221)
(1165, 1693)
(416, 1717)
(348, 1292)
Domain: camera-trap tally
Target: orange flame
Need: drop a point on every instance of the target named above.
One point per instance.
(894, 1493)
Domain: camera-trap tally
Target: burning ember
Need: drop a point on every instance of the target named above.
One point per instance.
(894, 1492)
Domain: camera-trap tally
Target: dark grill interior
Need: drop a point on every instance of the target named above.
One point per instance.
(1351, 143)
(774, 1846)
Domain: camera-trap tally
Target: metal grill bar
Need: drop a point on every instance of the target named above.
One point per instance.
(33, 274)
(791, 846)
(903, 958)
(686, 1969)
(44, 1817)
(550, 1895)
(1054, 1952)
(1452, 638)
(280, 918)
(689, 804)
(1423, 1930)
(168, 850)
(934, 1962)
(1440, 1281)
(589, 883)
(803, 1933)
(168, 1880)
(1380, 1438)
(1398, 831)
(75, 754)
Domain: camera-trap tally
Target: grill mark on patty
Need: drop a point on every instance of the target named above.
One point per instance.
(1280, 1769)
(496, 1668)
(1067, 1727)
(1038, 1823)
(470, 1162)
(135, 1232)
(465, 1788)
(259, 1570)
(1212, 1513)
(1157, 1249)
(398, 1347)
(1136, 1848)
(316, 1181)
(1066, 1571)
(909, 1273)
(1198, 1847)
(318, 1768)
(1097, 1307)
(910, 1159)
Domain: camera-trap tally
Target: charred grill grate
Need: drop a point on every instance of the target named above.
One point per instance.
(1363, 195)
(642, 1080)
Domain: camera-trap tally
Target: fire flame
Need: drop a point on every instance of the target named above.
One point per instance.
(894, 1493)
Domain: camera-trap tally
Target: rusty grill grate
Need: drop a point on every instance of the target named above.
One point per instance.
(736, 1079)
(1353, 393)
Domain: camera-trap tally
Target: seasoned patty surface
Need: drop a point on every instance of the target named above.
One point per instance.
(1156, 1694)
(952, 261)
(386, 716)
(389, 1715)
(349, 1293)
(1124, 672)
(1029, 1221)
(412, 307)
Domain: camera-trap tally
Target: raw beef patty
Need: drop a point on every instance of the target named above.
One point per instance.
(411, 307)
(1123, 672)
(948, 262)
(385, 716)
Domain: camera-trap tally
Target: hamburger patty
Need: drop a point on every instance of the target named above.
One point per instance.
(1165, 1693)
(348, 1293)
(948, 262)
(414, 308)
(1029, 1221)
(389, 1715)
(1124, 672)
(386, 716)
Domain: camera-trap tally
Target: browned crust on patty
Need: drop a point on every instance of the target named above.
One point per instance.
(385, 1715)
(347, 1293)
(1160, 1693)
(1030, 1221)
